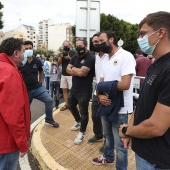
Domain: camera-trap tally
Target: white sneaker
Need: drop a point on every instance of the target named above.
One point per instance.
(79, 138)
(76, 126)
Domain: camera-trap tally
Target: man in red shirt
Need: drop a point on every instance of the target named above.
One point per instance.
(14, 105)
(142, 65)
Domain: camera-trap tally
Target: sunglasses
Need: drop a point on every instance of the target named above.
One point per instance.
(80, 38)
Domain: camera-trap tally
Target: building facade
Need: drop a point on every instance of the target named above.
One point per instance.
(51, 35)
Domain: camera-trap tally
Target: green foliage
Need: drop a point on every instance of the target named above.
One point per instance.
(45, 52)
(126, 31)
(1, 15)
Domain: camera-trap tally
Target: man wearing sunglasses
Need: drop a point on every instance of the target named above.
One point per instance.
(81, 67)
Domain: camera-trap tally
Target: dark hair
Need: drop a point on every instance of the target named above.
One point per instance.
(139, 52)
(82, 39)
(157, 20)
(28, 43)
(96, 34)
(9, 45)
(111, 34)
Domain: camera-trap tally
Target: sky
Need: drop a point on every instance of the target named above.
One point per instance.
(31, 12)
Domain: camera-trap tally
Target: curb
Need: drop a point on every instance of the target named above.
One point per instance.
(45, 160)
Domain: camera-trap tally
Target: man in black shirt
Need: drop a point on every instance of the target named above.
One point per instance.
(66, 79)
(82, 68)
(30, 72)
(149, 126)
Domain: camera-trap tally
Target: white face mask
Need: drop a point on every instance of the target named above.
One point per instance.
(29, 53)
(25, 59)
(144, 44)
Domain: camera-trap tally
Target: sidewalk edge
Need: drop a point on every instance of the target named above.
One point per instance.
(45, 160)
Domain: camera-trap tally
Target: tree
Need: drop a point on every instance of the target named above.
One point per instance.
(126, 31)
(1, 15)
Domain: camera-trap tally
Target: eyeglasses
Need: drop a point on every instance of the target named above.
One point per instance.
(80, 38)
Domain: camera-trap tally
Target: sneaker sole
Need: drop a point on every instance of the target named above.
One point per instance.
(98, 164)
(51, 125)
(99, 140)
(75, 129)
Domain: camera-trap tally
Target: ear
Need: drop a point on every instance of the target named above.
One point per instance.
(111, 40)
(162, 32)
(15, 54)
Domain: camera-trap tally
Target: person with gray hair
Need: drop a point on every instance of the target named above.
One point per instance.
(66, 79)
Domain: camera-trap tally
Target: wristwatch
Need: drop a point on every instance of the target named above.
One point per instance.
(124, 130)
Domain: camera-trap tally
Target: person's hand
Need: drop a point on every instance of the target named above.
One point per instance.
(22, 154)
(120, 131)
(127, 142)
(104, 100)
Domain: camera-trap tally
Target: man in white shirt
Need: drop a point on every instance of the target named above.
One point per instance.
(119, 66)
(97, 124)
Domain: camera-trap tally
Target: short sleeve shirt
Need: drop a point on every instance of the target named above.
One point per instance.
(120, 64)
(30, 73)
(155, 89)
(83, 83)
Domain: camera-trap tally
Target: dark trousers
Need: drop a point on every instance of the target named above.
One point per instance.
(97, 124)
(82, 99)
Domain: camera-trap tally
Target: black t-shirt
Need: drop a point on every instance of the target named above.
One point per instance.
(30, 73)
(154, 89)
(66, 62)
(83, 83)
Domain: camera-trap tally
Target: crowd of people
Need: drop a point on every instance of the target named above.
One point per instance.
(147, 132)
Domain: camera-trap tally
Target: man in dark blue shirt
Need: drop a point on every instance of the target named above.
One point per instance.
(30, 72)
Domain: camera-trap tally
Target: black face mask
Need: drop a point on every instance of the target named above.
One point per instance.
(96, 47)
(66, 49)
(105, 48)
(80, 50)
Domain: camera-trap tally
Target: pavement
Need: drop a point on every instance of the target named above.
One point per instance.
(54, 148)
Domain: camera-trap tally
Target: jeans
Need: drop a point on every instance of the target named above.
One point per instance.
(9, 161)
(113, 140)
(97, 124)
(142, 164)
(54, 89)
(82, 99)
(47, 80)
(41, 94)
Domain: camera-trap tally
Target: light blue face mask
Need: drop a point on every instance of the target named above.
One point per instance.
(29, 53)
(25, 59)
(144, 44)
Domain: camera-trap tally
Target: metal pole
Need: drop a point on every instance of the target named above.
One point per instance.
(88, 24)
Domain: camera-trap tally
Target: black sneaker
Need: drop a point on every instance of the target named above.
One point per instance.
(94, 139)
(52, 123)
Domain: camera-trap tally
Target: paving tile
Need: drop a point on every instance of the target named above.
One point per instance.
(59, 142)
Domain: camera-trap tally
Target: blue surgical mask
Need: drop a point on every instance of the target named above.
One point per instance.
(144, 44)
(29, 53)
(25, 59)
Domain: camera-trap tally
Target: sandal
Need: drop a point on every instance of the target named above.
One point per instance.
(63, 108)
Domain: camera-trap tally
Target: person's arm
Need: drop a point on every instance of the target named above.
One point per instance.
(15, 122)
(60, 59)
(41, 73)
(155, 126)
(81, 72)
(125, 82)
(69, 69)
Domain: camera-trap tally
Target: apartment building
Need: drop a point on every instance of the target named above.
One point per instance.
(29, 33)
(51, 35)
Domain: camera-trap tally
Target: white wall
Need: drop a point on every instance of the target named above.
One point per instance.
(56, 36)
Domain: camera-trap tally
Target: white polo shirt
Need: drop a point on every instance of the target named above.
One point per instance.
(98, 65)
(120, 64)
